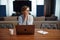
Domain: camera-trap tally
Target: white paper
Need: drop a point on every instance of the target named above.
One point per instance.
(42, 32)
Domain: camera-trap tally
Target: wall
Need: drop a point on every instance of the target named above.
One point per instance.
(21, 0)
(33, 12)
(57, 10)
(4, 2)
(9, 6)
(34, 6)
(40, 2)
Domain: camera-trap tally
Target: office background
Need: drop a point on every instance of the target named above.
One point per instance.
(35, 7)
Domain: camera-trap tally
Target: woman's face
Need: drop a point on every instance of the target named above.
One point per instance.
(26, 11)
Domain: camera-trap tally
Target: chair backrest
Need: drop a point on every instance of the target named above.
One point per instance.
(39, 18)
(38, 23)
(12, 18)
(1, 19)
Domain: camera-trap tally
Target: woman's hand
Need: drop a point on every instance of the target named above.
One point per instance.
(26, 18)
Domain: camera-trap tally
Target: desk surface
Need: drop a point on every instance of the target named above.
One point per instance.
(53, 34)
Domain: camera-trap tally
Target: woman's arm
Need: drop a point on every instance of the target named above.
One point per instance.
(20, 20)
(30, 21)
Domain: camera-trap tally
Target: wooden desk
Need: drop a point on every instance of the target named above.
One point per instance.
(52, 35)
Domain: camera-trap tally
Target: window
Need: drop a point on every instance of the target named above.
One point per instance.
(34, 5)
(9, 6)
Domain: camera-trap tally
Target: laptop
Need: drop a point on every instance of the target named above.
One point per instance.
(25, 29)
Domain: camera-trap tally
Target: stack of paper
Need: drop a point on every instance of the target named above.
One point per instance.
(42, 32)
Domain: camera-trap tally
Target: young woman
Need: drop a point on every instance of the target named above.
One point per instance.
(25, 18)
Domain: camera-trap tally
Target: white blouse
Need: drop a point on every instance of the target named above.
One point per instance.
(29, 21)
